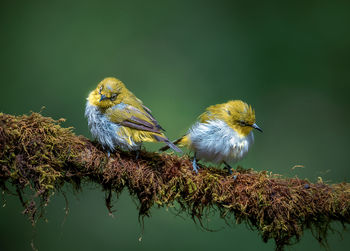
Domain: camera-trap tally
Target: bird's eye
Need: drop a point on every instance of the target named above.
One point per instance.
(113, 96)
(99, 91)
(242, 123)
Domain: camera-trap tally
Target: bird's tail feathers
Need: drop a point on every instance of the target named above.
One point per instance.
(169, 144)
(176, 142)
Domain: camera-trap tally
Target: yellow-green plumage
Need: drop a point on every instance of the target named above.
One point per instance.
(233, 113)
(118, 118)
(222, 134)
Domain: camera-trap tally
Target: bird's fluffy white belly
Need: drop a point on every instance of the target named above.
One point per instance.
(105, 131)
(217, 142)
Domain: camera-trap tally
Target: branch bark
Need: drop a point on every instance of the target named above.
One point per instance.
(37, 153)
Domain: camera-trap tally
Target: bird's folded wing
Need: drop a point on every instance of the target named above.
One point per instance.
(134, 118)
(149, 113)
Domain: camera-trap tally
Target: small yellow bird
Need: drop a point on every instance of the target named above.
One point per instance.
(117, 118)
(223, 134)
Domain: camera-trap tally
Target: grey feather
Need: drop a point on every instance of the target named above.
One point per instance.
(217, 142)
(105, 131)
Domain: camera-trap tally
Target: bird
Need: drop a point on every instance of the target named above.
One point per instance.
(222, 135)
(118, 119)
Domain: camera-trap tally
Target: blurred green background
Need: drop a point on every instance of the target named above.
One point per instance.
(289, 60)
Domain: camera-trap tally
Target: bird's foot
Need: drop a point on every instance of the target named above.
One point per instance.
(228, 167)
(194, 165)
(137, 154)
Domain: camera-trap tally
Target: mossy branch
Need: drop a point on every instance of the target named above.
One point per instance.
(37, 153)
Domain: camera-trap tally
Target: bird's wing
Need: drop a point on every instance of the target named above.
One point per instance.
(149, 113)
(132, 117)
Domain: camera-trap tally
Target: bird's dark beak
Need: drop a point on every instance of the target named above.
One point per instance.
(255, 126)
(103, 97)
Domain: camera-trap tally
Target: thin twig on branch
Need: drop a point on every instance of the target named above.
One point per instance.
(37, 153)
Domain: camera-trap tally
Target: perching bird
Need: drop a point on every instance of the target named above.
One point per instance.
(223, 134)
(117, 118)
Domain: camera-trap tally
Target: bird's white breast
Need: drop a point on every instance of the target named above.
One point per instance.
(105, 131)
(217, 142)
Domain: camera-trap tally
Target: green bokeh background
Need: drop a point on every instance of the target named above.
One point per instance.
(289, 60)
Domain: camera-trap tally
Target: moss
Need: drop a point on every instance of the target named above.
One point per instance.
(38, 156)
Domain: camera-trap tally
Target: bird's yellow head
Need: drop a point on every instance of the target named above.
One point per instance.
(241, 117)
(109, 92)
(237, 114)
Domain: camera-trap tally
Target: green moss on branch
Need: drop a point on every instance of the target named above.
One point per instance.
(37, 153)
